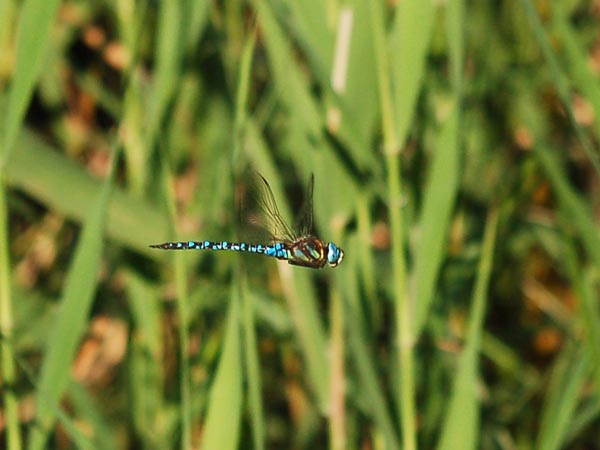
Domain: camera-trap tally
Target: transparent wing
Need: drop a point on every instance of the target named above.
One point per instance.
(260, 210)
(305, 219)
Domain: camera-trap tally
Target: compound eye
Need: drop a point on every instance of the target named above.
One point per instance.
(334, 254)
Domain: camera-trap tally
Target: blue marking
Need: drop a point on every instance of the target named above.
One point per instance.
(334, 254)
(259, 247)
(206, 244)
(252, 248)
(270, 251)
(243, 246)
(179, 244)
(198, 246)
(279, 246)
(225, 244)
(191, 244)
(235, 247)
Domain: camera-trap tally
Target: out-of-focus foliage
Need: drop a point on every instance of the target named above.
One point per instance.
(455, 152)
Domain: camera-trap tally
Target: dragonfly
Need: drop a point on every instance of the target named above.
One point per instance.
(298, 248)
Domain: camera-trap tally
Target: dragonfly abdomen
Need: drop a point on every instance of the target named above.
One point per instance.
(277, 250)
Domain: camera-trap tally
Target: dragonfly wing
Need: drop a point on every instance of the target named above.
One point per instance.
(260, 211)
(305, 219)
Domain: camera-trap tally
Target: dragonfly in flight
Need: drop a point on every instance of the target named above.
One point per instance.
(299, 248)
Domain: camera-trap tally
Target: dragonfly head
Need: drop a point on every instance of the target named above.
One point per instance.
(334, 254)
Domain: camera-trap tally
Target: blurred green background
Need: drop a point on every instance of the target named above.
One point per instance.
(455, 152)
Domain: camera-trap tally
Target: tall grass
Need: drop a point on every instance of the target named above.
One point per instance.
(454, 149)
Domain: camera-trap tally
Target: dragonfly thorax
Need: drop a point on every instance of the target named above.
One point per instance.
(334, 254)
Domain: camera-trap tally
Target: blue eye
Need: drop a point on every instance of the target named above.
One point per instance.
(334, 254)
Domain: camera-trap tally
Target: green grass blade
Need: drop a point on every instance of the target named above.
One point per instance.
(585, 419)
(225, 402)
(355, 111)
(560, 81)
(337, 381)
(251, 357)
(591, 321)
(405, 388)
(242, 94)
(181, 282)
(582, 76)
(362, 357)
(171, 39)
(75, 433)
(135, 149)
(198, 18)
(440, 195)
(290, 82)
(252, 371)
(78, 295)
(443, 179)
(314, 20)
(37, 17)
(131, 222)
(461, 426)
(584, 281)
(8, 14)
(572, 205)
(455, 24)
(508, 360)
(146, 362)
(568, 379)
(8, 370)
(85, 406)
(301, 300)
(408, 47)
(365, 257)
